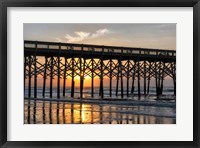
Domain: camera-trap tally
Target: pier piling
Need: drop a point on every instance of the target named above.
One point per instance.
(92, 78)
(127, 78)
(144, 78)
(51, 77)
(58, 80)
(64, 77)
(72, 85)
(110, 77)
(138, 72)
(44, 77)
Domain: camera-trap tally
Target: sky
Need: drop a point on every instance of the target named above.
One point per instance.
(157, 36)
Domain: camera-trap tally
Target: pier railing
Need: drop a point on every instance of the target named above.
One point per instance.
(96, 49)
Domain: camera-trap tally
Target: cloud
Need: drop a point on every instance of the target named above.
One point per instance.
(80, 36)
(57, 39)
(100, 32)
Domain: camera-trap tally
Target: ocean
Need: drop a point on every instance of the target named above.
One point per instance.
(110, 110)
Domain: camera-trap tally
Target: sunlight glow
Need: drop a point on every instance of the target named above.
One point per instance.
(86, 77)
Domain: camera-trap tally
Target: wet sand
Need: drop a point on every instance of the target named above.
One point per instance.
(66, 111)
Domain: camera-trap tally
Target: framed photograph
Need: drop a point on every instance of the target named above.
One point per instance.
(103, 73)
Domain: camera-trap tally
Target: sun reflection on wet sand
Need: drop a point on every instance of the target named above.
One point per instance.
(45, 112)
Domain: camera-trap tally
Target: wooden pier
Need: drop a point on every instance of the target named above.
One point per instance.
(62, 60)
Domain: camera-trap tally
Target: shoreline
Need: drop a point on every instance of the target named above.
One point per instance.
(113, 101)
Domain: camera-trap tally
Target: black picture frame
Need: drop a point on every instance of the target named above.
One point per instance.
(4, 4)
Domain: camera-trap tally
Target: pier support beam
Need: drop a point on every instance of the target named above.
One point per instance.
(144, 78)
(133, 79)
(101, 80)
(64, 77)
(58, 80)
(81, 77)
(29, 75)
(29, 85)
(92, 78)
(44, 77)
(127, 76)
(51, 77)
(121, 74)
(159, 78)
(174, 81)
(117, 83)
(138, 74)
(35, 76)
(82, 73)
(149, 77)
(155, 69)
(25, 62)
(110, 77)
(72, 86)
(173, 69)
(35, 87)
(162, 79)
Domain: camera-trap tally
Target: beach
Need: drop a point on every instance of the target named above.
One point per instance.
(110, 110)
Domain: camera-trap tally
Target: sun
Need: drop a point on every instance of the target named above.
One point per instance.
(86, 77)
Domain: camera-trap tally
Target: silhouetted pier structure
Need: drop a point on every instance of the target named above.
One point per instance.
(61, 60)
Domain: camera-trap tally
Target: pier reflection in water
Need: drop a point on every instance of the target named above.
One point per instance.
(46, 112)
